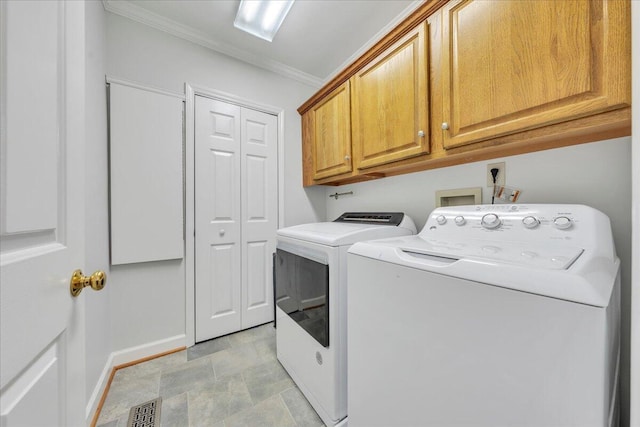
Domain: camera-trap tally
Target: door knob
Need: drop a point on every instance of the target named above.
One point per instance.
(221, 232)
(78, 281)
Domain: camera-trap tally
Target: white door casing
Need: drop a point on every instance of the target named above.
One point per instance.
(42, 209)
(235, 216)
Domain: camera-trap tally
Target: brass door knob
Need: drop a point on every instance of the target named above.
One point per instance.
(78, 281)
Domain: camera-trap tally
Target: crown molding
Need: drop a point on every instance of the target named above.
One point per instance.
(143, 16)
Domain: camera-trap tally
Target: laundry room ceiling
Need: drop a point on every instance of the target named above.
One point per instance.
(316, 40)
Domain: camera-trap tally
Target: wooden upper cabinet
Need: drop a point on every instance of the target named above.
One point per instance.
(468, 80)
(390, 103)
(327, 125)
(510, 66)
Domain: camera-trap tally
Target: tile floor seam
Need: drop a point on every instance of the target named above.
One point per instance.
(248, 353)
(287, 406)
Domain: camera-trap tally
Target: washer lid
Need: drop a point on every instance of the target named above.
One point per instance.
(527, 255)
(562, 272)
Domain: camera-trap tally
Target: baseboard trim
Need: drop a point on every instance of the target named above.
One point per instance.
(122, 359)
(100, 392)
(148, 350)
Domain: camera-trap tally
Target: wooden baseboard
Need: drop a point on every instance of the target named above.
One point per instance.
(94, 421)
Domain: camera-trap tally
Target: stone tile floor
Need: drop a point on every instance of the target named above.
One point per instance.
(230, 381)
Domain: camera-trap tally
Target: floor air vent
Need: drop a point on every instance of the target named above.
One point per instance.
(146, 414)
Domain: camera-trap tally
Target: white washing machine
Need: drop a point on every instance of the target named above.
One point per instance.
(494, 315)
(311, 307)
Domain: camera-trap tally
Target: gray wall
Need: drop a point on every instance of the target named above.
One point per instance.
(596, 174)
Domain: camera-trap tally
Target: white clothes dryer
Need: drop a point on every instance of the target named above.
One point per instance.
(311, 308)
(494, 315)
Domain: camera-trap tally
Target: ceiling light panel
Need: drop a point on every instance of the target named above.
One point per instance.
(262, 18)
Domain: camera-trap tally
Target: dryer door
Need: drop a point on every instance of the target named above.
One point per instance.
(302, 291)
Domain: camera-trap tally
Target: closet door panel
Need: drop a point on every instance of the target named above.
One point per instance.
(217, 218)
(260, 214)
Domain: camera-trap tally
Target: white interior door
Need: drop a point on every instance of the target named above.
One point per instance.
(42, 227)
(235, 216)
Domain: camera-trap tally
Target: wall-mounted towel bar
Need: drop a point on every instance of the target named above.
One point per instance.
(336, 195)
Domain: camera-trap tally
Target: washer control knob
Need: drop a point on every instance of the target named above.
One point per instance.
(459, 220)
(441, 219)
(490, 221)
(562, 222)
(530, 222)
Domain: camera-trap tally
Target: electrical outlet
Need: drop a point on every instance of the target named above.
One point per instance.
(506, 194)
(500, 178)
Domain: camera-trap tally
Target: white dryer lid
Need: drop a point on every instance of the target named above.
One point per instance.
(346, 233)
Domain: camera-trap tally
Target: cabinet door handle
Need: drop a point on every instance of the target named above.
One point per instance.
(445, 126)
(421, 133)
(347, 158)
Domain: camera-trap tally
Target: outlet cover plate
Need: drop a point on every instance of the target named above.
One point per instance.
(500, 179)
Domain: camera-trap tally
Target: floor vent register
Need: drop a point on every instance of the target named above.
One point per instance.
(146, 414)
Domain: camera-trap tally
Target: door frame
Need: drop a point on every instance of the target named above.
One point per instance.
(191, 91)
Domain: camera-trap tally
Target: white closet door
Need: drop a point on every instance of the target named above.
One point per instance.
(236, 198)
(218, 221)
(259, 214)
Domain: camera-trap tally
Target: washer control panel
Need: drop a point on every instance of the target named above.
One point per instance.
(550, 236)
(550, 225)
(505, 217)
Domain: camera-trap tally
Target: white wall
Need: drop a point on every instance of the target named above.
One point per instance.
(98, 332)
(635, 292)
(596, 174)
(149, 56)
(148, 299)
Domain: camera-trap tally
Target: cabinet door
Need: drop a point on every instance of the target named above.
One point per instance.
(329, 134)
(510, 66)
(390, 96)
